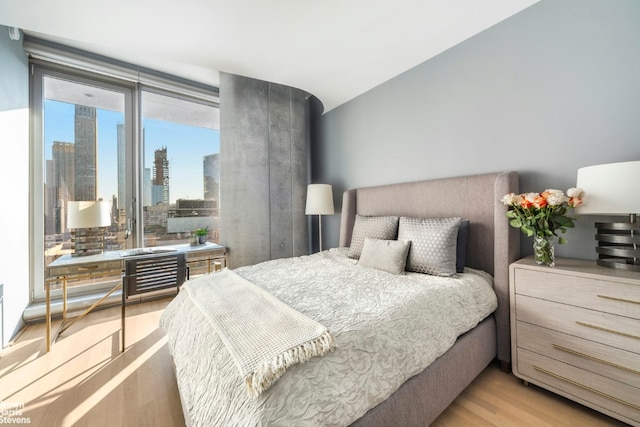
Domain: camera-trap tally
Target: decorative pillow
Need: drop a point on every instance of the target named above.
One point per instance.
(374, 227)
(433, 244)
(386, 255)
(461, 246)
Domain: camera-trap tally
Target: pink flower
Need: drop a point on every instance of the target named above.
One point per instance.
(574, 202)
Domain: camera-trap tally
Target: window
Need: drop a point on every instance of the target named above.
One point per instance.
(181, 169)
(151, 153)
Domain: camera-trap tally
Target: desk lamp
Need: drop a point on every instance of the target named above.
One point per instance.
(87, 220)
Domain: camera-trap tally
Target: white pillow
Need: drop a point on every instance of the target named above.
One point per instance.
(386, 255)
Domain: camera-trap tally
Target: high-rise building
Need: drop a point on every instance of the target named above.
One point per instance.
(60, 184)
(63, 173)
(211, 172)
(160, 181)
(147, 186)
(86, 153)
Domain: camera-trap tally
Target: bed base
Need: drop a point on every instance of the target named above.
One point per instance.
(493, 245)
(421, 399)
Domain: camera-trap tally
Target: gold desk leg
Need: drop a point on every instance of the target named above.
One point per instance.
(64, 299)
(62, 326)
(48, 285)
(67, 325)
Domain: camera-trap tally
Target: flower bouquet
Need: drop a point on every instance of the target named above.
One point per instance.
(542, 215)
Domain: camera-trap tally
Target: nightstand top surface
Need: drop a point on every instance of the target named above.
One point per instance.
(579, 267)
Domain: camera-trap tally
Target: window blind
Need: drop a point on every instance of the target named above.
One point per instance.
(44, 50)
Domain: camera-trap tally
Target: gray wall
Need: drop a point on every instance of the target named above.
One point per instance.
(545, 92)
(264, 150)
(14, 185)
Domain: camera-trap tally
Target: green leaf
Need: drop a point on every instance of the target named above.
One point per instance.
(563, 221)
(562, 240)
(529, 231)
(515, 223)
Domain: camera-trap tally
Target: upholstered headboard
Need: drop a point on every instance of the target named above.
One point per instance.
(493, 244)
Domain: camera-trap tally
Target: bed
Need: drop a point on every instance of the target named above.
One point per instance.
(413, 385)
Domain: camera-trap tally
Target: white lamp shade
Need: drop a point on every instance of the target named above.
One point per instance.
(88, 214)
(610, 189)
(319, 200)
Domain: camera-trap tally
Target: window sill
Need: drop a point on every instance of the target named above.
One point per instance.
(37, 311)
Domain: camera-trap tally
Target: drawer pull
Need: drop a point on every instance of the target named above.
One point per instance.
(584, 387)
(619, 299)
(602, 328)
(596, 359)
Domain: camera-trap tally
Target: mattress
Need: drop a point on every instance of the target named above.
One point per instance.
(387, 328)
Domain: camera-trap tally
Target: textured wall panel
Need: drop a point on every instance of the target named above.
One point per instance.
(264, 149)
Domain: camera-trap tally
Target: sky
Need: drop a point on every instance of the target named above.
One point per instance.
(186, 146)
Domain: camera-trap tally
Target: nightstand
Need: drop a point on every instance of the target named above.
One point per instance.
(575, 330)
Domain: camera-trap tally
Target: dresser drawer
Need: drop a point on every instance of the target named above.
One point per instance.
(601, 393)
(611, 362)
(598, 294)
(616, 331)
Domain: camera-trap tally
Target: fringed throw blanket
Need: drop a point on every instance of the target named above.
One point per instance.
(263, 335)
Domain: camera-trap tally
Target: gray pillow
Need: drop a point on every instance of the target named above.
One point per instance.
(374, 227)
(461, 245)
(385, 255)
(433, 244)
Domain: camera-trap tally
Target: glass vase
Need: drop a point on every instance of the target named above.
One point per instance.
(543, 250)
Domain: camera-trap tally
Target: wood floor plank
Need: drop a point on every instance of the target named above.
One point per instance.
(86, 381)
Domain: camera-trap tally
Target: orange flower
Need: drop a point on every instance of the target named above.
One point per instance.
(539, 202)
(525, 203)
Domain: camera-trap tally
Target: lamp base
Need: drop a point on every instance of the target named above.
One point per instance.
(87, 241)
(618, 245)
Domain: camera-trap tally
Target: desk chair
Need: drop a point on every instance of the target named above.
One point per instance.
(144, 274)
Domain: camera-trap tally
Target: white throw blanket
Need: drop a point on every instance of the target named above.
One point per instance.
(263, 335)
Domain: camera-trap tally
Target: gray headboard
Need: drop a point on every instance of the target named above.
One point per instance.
(493, 244)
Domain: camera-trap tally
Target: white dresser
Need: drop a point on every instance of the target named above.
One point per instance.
(575, 330)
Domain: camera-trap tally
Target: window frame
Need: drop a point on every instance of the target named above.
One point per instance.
(132, 90)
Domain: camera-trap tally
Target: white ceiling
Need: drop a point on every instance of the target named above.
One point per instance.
(333, 49)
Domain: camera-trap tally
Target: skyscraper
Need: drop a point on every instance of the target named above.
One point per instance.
(160, 181)
(60, 184)
(147, 186)
(86, 153)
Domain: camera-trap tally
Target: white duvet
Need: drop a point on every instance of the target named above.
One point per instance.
(387, 327)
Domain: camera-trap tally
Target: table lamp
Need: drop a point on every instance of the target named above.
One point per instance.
(319, 202)
(87, 220)
(613, 189)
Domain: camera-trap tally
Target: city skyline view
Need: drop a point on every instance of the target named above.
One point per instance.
(186, 148)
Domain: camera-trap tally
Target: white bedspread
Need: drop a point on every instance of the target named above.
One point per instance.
(387, 329)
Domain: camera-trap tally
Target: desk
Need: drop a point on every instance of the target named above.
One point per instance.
(110, 263)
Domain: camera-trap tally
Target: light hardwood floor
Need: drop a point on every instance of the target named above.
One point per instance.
(86, 381)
